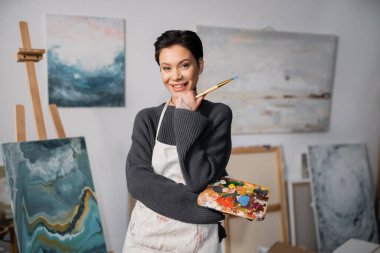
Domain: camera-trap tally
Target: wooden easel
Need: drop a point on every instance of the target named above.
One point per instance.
(29, 56)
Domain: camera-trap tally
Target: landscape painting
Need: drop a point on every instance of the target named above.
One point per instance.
(284, 82)
(86, 61)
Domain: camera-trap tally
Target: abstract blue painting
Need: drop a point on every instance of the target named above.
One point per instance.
(53, 196)
(342, 195)
(86, 61)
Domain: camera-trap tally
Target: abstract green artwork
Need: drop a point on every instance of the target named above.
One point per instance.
(53, 196)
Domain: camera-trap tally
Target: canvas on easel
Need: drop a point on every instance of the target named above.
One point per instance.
(261, 165)
(66, 218)
(52, 194)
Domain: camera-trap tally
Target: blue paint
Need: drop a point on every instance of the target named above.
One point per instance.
(103, 87)
(243, 200)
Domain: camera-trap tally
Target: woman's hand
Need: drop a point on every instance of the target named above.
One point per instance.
(188, 101)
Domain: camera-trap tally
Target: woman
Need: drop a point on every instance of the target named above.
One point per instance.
(178, 148)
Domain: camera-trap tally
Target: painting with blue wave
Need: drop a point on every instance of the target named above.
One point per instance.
(86, 61)
(53, 196)
(343, 195)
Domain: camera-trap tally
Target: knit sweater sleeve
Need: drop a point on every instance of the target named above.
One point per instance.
(203, 145)
(155, 191)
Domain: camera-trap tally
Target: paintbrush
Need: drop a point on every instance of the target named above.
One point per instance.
(215, 87)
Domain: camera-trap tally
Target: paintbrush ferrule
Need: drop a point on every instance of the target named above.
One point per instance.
(223, 83)
(215, 87)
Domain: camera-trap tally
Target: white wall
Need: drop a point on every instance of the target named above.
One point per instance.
(355, 113)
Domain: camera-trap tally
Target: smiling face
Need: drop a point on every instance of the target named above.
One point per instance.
(179, 69)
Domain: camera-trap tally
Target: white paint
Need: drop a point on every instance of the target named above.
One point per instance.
(355, 113)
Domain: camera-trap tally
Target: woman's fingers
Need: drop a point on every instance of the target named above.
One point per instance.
(188, 101)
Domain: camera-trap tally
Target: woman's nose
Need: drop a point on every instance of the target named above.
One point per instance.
(177, 75)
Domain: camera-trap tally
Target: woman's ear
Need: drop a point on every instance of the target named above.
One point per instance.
(201, 64)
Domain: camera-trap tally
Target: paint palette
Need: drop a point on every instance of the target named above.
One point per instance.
(236, 197)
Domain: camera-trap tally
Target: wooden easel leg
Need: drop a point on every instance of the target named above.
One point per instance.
(60, 132)
(20, 123)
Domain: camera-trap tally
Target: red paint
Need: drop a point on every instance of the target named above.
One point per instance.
(227, 202)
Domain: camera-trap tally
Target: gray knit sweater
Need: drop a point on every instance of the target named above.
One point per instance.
(203, 141)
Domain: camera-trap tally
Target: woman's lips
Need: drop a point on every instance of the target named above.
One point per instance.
(179, 87)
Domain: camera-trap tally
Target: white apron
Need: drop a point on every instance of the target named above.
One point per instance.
(151, 232)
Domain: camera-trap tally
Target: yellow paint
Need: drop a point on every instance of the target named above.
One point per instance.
(57, 244)
(78, 225)
(249, 190)
(63, 226)
(242, 191)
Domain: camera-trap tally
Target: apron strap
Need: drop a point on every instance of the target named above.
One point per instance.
(161, 117)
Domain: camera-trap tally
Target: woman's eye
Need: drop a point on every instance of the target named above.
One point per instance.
(164, 68)
(185, 65)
